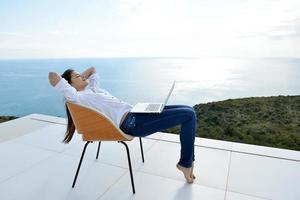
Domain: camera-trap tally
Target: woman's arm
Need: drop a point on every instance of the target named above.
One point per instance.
(60, 84)
(87, 73)
(54, 78)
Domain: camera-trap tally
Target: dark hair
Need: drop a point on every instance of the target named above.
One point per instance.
(70, 127)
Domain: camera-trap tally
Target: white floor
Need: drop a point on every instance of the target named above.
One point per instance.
(36, 165)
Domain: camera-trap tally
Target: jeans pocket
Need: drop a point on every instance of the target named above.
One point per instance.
(128, 123)
(131, 123)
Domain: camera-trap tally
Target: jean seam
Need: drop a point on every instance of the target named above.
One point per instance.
(164, 119)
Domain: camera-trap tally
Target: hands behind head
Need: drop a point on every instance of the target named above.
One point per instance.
(88, 72)
(54, 78)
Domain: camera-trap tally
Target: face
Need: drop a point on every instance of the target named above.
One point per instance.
(78, 81)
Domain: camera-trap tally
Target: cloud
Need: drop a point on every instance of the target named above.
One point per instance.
(62, 33)
(166, 28)
(291, 28)
(128, 7)
(286, 30)
(14, 34)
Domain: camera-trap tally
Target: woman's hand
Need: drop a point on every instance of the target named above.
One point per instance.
(87, 73)
(54, 78)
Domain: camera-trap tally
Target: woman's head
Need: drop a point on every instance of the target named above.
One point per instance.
(75, 79)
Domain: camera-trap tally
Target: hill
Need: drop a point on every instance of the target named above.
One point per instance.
(268, 121)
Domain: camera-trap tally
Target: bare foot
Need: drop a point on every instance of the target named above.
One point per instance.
(192, 174)
(186, 172)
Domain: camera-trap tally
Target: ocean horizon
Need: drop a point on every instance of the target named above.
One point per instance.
(25, 88)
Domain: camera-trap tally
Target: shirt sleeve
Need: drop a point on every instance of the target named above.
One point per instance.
(69, 92)
(94, 81)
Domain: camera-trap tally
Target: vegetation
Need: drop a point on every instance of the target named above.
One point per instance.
(267, 121)
(6, 118)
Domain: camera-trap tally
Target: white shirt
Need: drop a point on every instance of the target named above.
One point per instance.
(95, 97)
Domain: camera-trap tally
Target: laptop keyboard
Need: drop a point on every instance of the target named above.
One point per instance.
(153, 107)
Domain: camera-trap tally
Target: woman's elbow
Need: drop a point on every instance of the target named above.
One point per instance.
(93, 70)
(54, 78)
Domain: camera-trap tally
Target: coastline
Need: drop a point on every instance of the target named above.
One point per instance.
(7, 118)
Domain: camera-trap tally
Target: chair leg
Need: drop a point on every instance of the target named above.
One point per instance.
(79, 165)
(98, 149)
(142, 150)
(129, 163)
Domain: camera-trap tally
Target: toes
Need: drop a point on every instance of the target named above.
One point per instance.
(186, 173)
(189, 179)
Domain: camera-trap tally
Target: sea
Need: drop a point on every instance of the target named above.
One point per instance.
(25, 89)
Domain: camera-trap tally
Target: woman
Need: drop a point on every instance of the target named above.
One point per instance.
(84, 88)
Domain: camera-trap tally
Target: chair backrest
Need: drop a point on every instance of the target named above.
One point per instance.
(95, 126)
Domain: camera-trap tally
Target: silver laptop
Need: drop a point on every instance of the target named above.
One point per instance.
(151, 107)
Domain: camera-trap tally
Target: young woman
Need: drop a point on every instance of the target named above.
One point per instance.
(84, 88)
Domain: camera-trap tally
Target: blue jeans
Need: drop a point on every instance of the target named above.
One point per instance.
(144, 124)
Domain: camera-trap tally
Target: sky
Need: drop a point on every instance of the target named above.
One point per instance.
(149, 28)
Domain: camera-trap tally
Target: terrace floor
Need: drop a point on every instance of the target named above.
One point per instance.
(35, 165)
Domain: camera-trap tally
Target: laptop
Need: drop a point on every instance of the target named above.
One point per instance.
(151, 107)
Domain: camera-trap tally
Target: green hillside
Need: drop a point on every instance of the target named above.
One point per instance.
(268, 121)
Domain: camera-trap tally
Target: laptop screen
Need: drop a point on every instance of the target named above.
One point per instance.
(171, 90)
